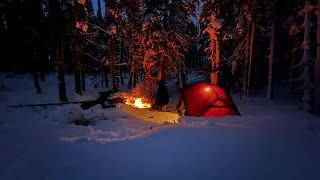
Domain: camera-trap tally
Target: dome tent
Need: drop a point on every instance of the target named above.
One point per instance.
(207, 100)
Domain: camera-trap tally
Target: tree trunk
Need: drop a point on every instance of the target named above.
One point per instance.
(102, 75)
(77, 63)
(42, 75)
(195, 64)
(61, 65)
(134, 78)
(246, 62)
(121, 61)
(113, 74)
(105, 73)
(112, 66)
(36, 82)
(317, 66)
(293, 62)
(83, 81)
(271, 61)
(250, 58)
(216, 64)
(114, 81)
(179, 76)
(131, 83)
(36, 67)
(306, 98)
(57, 21)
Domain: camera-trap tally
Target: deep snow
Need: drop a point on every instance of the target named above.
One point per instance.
(272, 140)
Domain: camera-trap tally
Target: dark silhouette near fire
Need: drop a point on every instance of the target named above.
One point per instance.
(162, 96)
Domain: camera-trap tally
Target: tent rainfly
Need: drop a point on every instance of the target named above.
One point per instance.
(207, 100)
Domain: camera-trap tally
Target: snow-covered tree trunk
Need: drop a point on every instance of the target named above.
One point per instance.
(271, 61)
(317, 66)
(306, 98)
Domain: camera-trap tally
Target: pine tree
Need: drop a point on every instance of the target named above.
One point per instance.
(78, 14)
(272, 53)
(214, 48)
(56, 17)
(217, 18)
(305, 61)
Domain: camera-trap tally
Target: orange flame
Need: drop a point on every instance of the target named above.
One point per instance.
(138, 103)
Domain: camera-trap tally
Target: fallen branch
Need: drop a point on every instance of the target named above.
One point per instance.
(45, 104)
(84, 104)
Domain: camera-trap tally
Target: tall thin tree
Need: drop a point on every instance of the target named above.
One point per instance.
(271, 54)
(56, 16)
(317, 65)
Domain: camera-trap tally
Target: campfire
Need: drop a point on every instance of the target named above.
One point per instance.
(140, 96)
(138, 103)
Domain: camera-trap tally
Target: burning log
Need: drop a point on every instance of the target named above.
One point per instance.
(147, 95)
(141, 96)
(138, 103)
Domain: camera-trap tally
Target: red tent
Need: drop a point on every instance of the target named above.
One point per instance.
(207, 100)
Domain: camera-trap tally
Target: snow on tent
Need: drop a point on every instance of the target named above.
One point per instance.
(207, 100)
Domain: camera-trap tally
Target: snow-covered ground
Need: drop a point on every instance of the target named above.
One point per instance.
(272, 140)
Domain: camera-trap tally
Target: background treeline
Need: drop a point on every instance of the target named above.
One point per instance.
(243, 45)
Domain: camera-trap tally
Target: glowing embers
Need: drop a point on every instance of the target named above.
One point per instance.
(138, 103)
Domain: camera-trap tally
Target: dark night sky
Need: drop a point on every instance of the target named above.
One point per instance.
(95, 5)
